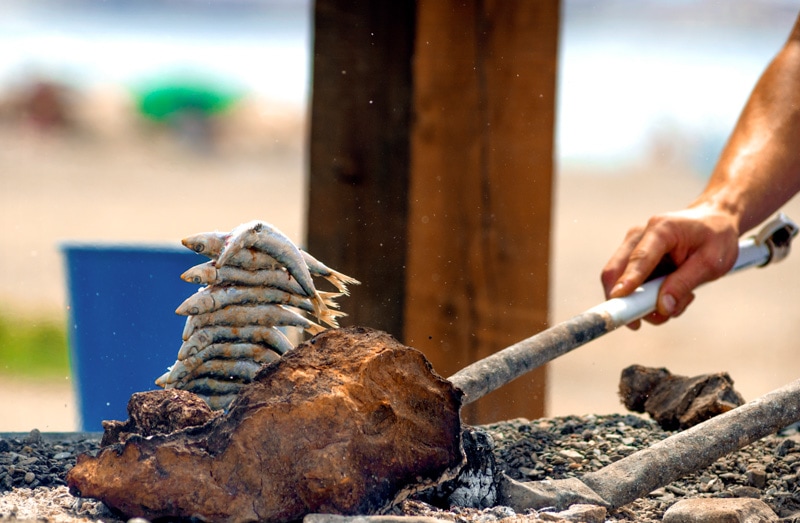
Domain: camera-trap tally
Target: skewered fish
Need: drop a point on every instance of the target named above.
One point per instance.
(267, 315)
(258, 284)
(211, 299)
(187, 368)
(269, 336)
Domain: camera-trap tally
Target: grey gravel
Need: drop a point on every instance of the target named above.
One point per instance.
(549, 448)
(35, 460)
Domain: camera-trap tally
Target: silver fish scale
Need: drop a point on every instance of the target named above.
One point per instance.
(250, 307)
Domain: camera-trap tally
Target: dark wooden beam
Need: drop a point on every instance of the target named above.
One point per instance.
(359, 152)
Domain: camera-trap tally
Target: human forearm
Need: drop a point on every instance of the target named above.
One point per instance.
(759, 169)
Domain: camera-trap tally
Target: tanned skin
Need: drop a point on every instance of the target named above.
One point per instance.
(758, 171)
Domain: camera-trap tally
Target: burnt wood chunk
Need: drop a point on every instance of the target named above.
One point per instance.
(158, 412)
(345, 423)
(677, 402)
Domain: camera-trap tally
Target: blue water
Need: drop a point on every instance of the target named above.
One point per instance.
(635, 76)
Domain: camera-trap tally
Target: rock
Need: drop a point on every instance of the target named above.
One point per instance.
(677, 402)
(335, 518)
(756, 476)
(345, 423)
(719, 510)
(785, 447)
(33, 437)
(636, 384)
(559, 494)
(578, 513)
(158, 412)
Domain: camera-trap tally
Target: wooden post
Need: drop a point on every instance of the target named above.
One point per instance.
(481, 184)
(444, 217)
(359, 152)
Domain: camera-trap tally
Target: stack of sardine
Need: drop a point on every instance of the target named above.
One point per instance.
(258, 283)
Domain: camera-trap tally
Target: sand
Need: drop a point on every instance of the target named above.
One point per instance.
(118, 181)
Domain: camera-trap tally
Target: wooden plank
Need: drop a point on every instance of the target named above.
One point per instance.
(481, 184)
(359, 152)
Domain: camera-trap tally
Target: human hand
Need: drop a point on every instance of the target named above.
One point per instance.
(701, 241)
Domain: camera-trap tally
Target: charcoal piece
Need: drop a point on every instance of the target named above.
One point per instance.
(157, 412)
(677, 402)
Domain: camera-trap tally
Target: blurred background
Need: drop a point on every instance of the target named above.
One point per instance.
(148, 121)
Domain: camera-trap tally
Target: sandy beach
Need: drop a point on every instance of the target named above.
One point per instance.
(112, 184)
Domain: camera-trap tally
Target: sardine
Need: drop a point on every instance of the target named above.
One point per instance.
(206, 243)
(252, 259)
(207, 273)
(202, 338)
(268, 315)
(213, 387)
(266, 238)
(211, 244)
(203, 273)
(225, 369)
(210, 299)
(228, 351)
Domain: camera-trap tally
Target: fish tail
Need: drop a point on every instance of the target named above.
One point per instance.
(341, 281)
(332, 318)
(314, 328)
(339, 285)
(323, 313)
(345, 279)
(328, 297)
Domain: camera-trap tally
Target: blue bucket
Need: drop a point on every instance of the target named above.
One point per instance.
(123, 331)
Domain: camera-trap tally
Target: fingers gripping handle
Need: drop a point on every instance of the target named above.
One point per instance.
(490, 373)
(771, 244)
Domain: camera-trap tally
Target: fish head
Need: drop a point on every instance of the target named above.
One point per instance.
(199, 274)
(196, 243)
(206, 243)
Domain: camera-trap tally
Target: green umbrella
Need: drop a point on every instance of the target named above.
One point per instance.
(161, 102)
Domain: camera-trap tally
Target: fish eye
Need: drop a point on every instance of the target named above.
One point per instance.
(199, 247)
(197, 279)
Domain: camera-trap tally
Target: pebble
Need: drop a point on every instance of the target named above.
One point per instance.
(32, 461)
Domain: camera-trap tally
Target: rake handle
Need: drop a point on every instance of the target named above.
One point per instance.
(491, 373)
